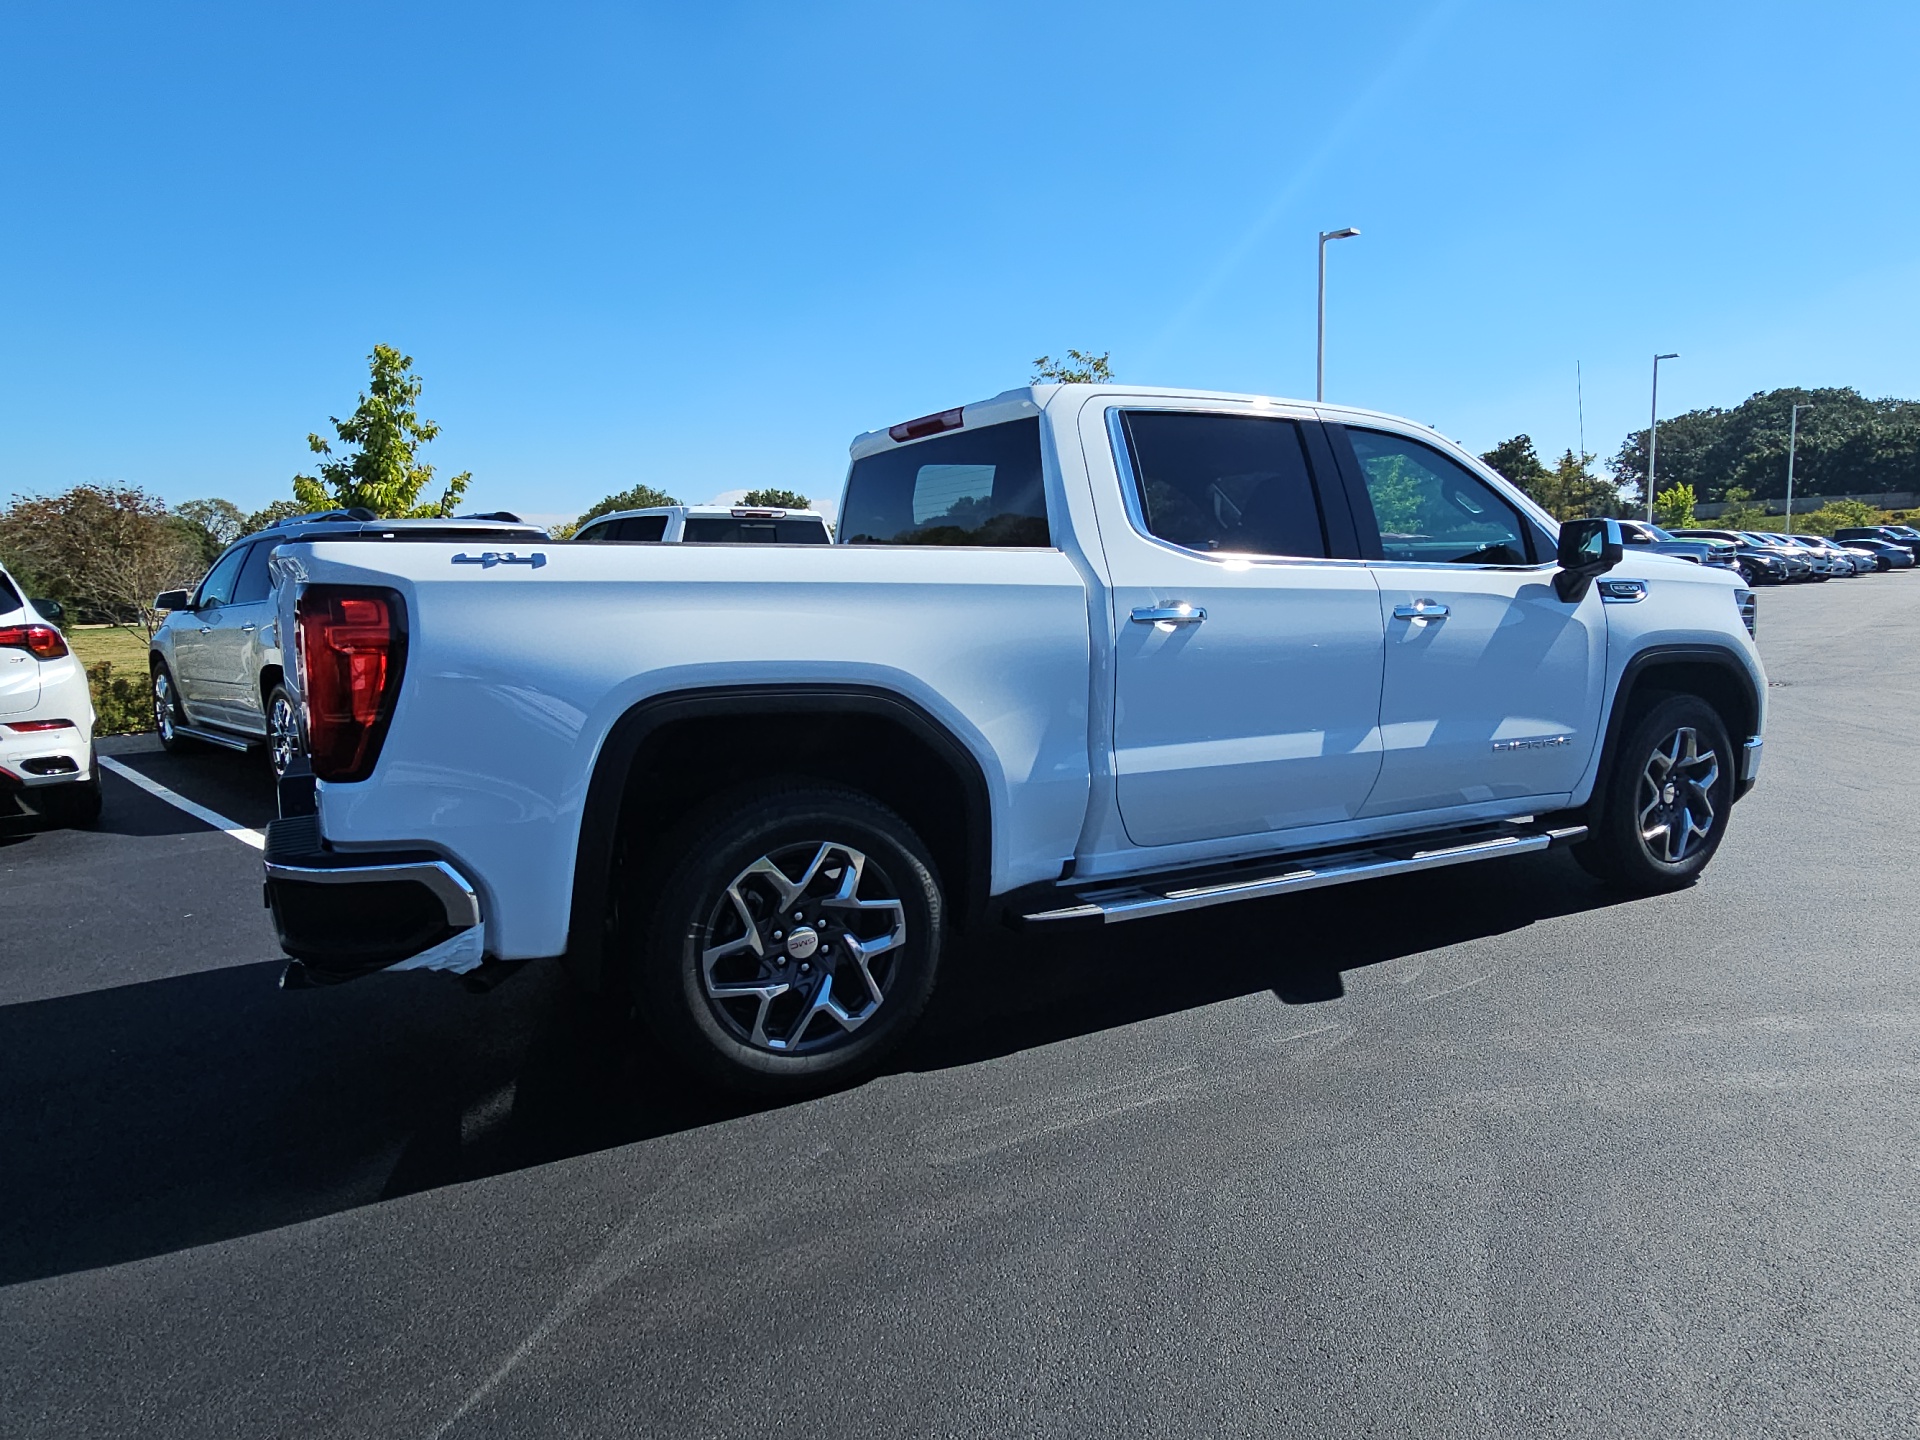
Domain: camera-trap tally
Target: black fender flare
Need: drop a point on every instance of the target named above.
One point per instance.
(601, 814)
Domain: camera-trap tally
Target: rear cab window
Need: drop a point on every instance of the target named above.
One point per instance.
(973, 487)
(1231, 484)
(752, 529)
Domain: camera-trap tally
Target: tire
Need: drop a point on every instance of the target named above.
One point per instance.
(285, 743)
(793, 1015)
(167, 714)
(1649, 840)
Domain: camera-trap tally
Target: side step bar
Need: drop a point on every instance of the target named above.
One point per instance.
(1195, 890)
(214, 737)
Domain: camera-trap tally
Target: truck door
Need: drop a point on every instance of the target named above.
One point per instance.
(1247, 655)
(1493, 683)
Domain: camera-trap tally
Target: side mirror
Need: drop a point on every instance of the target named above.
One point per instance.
(51, 610)
(1587, 548)
(174, 600)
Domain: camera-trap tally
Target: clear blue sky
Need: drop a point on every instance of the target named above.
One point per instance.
(703, 245)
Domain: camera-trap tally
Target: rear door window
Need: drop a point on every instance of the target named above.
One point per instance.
(1227, 483)
(253, 583)
(752, 529)
(1433, 510)
(977, 487)
(9, 597)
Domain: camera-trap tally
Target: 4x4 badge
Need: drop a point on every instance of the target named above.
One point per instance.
(491, 558)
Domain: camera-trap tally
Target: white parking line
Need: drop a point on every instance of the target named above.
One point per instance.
(180, 802)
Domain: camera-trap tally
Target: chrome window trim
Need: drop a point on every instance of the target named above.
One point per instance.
(1130, 482)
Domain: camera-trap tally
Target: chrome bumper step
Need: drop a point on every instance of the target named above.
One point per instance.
(1138, 899)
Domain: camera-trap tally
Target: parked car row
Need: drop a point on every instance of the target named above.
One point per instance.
(1766, 557)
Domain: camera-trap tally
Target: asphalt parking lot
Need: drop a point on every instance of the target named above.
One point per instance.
(1485, 1151)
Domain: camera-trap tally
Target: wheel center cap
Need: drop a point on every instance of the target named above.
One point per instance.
(802, 943)
(1670, 793)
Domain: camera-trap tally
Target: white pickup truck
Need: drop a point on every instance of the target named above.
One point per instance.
(1080, 655)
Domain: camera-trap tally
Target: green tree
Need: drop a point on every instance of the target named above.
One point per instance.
(1741, 513)
(272, 515)
(380, 472)
(211, 525)
(1081, 367)
(777, 499)
(1673, 508)
(640, 497)
(1517, 460)
(104, 550)
(1836, 515)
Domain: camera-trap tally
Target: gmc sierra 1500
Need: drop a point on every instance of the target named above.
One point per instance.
(1080, 655)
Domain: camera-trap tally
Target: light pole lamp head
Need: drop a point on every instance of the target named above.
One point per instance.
(1674, 356)
(1347, 234)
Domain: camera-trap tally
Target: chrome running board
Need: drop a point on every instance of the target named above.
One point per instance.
(214, 737)
(1139, 899)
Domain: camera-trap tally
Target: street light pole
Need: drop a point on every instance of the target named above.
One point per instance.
(1653, 430)
(1320, 351)
(1793, 435)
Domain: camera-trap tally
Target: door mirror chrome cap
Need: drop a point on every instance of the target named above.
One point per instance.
(174, 600)
(1587, 548)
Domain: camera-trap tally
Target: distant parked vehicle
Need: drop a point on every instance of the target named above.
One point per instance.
(1846, 562)
(1757, 564)
(1905, 536)
(217, 661)
(706, 525)
(1886, 554)
(1644, 535)
(1826, 564)
(46, 715)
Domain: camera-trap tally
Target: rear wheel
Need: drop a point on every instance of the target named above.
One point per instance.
(793, 941)
(284, 745)
(1666, 800)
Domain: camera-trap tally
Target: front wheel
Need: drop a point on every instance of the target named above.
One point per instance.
(1666, 799)
(794, 940)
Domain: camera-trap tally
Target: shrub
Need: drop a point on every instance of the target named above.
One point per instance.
(1673, 509)
(1835, 515)
(121, 704)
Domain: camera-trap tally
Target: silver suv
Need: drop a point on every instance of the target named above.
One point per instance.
(216, 659)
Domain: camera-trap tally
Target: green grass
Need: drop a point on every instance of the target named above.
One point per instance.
(124, 647)
(116, 660)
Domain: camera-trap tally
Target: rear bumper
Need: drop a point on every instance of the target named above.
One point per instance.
(344, 915)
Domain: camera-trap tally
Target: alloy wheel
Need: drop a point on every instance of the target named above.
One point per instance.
(283, 733)
(163, 705)
(801, 948)
(1676, 796)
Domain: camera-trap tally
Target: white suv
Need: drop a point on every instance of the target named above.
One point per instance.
(46, 715)
(707, 524)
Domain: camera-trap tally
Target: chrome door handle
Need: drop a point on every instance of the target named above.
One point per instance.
(206, 629)
(248, 629)
(1420, 610)
(1168, 614)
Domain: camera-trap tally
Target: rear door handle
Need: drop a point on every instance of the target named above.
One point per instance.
(248, 629)
(1182, 614)
(1420, 610)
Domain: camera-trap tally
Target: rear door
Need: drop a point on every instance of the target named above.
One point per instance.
(1247, 657)
(1492, 683)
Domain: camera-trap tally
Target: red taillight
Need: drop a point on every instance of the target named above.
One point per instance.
(353, 650)
(928, 425)
(42, 640)
(34, 726)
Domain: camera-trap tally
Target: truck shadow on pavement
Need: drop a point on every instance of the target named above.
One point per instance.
(147, 1118)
